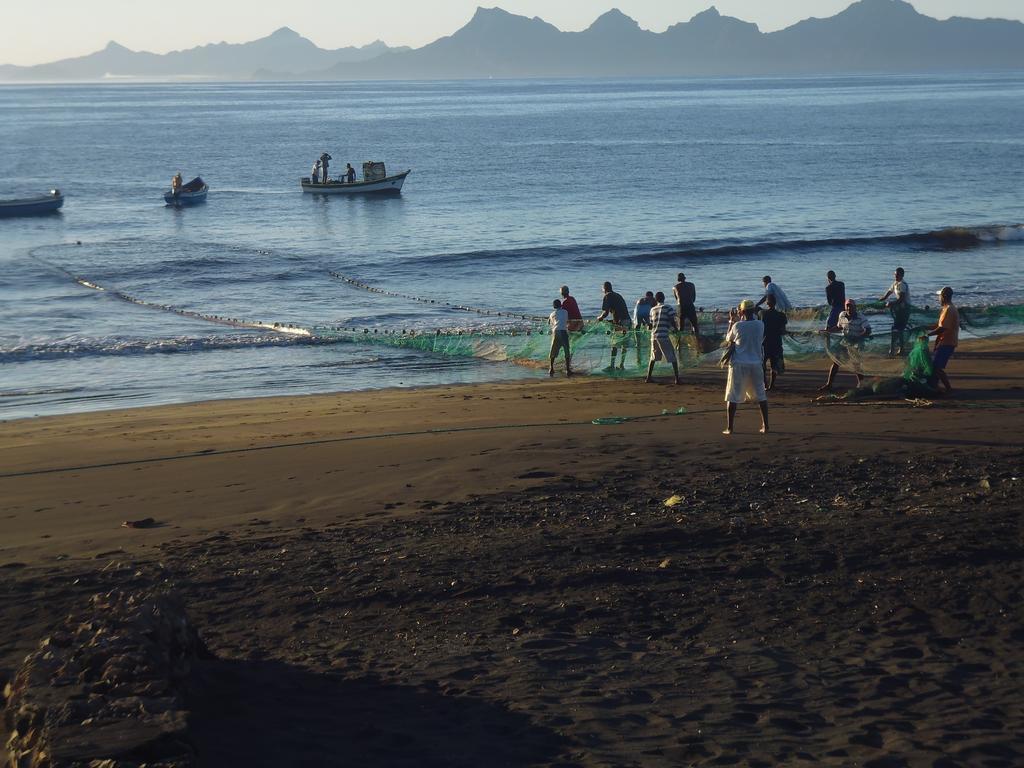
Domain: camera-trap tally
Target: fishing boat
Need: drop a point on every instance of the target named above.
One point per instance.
(32, 206)
(375, 181)
(189, 194)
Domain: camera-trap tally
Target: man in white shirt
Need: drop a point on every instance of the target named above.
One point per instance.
(745, 358)
(900, 309)
(855, 330)
(771, 289)
(559, 321)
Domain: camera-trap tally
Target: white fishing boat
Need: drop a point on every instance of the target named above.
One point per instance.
(375, 181)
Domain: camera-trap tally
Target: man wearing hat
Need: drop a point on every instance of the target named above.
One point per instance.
(745, 359)
(947, 333)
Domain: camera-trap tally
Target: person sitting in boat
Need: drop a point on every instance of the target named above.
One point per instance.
(325, 161)
(314, 175)
(350, 173)
(176, 182)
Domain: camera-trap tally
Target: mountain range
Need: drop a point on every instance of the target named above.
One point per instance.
(869, 36)
(285, 49)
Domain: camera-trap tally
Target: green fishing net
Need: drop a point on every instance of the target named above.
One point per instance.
(919, 362)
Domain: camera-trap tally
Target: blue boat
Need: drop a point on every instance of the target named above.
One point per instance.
(189, 194)
(32, 206)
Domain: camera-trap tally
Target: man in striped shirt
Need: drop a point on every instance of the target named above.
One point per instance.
(663, 320)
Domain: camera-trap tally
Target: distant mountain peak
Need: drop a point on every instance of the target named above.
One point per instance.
(115, 46)
(710, 15)
(284, 33)
(491, 21)
(888, 7)
(490, 13)
(614, 19)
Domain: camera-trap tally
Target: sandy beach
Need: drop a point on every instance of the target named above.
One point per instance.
(482, 575)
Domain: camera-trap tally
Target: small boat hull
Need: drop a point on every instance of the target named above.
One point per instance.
(186, 198)
(389, 185)
(32, 206)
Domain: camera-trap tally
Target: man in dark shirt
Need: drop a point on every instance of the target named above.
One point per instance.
(614, 304)
(835, 295)
(774, 329)
(686, 307)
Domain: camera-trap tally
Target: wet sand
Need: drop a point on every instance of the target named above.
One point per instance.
(481, 575)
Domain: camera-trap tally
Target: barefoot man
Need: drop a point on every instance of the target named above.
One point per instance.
(855, 330)
(559, 320)
(614, 305)
(663, 320)
(947, 333)
(744, 357)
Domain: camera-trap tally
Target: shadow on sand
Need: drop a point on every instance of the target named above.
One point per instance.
(273, 714)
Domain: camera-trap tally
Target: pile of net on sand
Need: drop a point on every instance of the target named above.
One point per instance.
(916, 382)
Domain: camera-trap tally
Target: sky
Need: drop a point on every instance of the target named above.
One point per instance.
(48, 30)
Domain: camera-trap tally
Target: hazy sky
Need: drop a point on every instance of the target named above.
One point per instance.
(32, 32)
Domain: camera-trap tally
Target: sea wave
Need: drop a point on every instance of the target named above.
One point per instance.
(946, 239)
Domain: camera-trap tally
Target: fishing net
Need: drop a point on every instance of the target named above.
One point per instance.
(919, 362)
(530, 345)
(521, 339)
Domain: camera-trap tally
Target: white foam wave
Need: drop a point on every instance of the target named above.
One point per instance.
(92, 347)
(1001, 234)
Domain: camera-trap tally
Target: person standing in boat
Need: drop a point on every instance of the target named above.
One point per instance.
(314, 175)
(350, 173)
(176, 182)
(325, 161)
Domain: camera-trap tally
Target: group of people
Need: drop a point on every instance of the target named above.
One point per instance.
(320, 171)
(753, 343)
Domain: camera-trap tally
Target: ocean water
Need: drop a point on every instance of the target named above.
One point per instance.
(517, 187)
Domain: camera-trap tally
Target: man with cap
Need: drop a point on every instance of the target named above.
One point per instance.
(855, 330)
(744, 357)
(947, 333)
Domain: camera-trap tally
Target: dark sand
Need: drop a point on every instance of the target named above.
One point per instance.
(844, 591)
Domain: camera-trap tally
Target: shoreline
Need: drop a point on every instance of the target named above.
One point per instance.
(55, 465)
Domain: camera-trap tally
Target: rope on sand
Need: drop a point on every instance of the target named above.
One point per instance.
(602, 421)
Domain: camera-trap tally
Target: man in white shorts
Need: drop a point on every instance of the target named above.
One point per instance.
(744, 356)
(663, 320)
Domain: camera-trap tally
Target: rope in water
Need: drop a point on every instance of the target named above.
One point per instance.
(436, 302)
